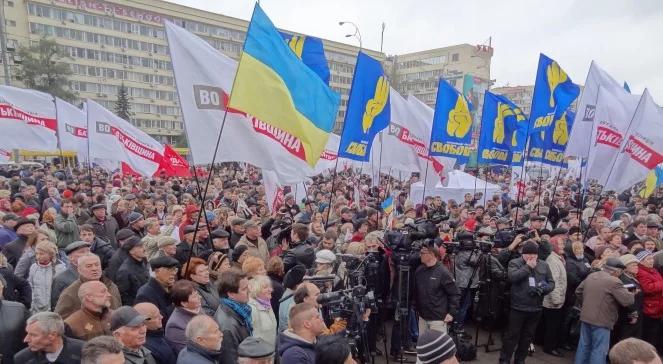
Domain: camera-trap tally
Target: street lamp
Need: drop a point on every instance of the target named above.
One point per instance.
(356, 34)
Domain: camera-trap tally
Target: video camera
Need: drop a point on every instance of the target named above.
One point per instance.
(504, 237)
(412, 237)
(345, 303)
(468, 242)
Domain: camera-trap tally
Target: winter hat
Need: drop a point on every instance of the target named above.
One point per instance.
(628, 259)
(641, 255)
(434, 347)
(530, 247)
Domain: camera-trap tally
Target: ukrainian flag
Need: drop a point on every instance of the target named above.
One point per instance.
(311, 51)
(388, 205)
(274, 85)
(653, 181)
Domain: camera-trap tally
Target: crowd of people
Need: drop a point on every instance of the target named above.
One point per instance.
(97, 267)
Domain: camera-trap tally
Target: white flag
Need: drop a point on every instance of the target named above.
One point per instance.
(581, 132)
(204, 78)
(72, 129)
(27, 120)
(114, 138)
(328, 157)
(273, 192)
(615, 109)
(642, 149)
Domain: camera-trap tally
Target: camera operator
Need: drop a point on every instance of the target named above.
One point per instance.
(436, 295)
(531, 279)
(465, 269)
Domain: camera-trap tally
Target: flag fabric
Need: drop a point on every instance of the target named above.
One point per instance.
(273, 191)
(368, 112)
(614, 109)
(642, 148)
(204, 78)
(452, 124)
(388, 205)
(597, 79)
(553, 93)
(127, 171)
(173, 164)
(114, 138)
(498, 139)
(27, 120)
(653, 181)
(626, 87)
(328, 157)
(72, 129)
(274, 85)
(311, 51)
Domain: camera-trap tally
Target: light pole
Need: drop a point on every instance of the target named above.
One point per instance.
(3, 44)
(356, 34)
(382, 36)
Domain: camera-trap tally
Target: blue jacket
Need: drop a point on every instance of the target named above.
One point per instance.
(6, 236)
(294, 350)
(194, 354)
(152, 292)
(162, 352)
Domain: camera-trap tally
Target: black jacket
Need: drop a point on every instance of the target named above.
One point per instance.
(435, 292)
(234, 238)
(14, 250)
(71, 354)
(162, 352)
(209, 298)
(576, 271)
(105, 230)
(196, 354)
(104, 250)
(115, 262)
(12, 329)
(233, 332)
(130, 277)
(299, 253)
(527, 294)
(277, 293)
(153, 292)
(17, 289)
(184, 249)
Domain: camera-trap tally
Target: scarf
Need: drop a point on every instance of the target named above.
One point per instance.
(264, 304)
(243, 310)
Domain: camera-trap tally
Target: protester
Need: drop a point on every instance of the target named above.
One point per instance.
(155, 340)
(12, 326)
(262, 315)
(234, 314)
(254, 350)
(158, 287)
(47, 343)
(102, 350)
(128, 327)
(634, 351)
(187, 303)
(93, 318)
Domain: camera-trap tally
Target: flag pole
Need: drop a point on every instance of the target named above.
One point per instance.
(89, 158)
(589, 146)
(423, 195)
(57, 133)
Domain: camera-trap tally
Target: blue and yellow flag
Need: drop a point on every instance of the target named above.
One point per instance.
(452, 125)
(500, 120)
(388, 205)
(274, 85)
(652, 182)
(368, 110)
(554, 92)
(548, 146)
(311, 51)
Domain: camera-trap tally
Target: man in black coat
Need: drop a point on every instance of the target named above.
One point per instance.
(16, 288)
(300, 251)
(105, 226)
(12, 327)
(47, 343)
(233, 314)
(14, 250)
(134, 272)
(157, 288)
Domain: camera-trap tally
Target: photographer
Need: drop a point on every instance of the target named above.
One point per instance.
(466, 269)
(300, 251)
(435, 292)
(531, 279)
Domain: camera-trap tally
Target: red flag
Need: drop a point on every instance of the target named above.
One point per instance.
(128, 171)
(173, 164)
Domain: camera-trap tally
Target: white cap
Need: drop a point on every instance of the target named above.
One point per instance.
(325, 256)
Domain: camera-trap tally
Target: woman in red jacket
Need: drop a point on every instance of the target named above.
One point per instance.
(652, 286)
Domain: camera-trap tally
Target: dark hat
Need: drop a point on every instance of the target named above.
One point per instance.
(124, 234)
(9, 216)
(97, 206)
(237, 221)
(530, 247)
(538, 218)
(653, 224)
(238, 251)
(75, 246)
(189, 229)
(134, 217)
(434, 347)
(250, 224)
(559, 231)
(503, 221)
(132, 242)
(163, 262)
(219, 233)
(130, 197)
(126, 316)
(544, 232)
(614, 263)
(573, 230)
(255, 347)
(23, 221)
(294, 276)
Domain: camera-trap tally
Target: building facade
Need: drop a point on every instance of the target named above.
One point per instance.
(115, 42)
(520, 95)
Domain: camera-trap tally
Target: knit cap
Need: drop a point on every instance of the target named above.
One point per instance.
(434, 347)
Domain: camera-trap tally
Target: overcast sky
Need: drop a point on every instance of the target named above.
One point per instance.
(625, 37)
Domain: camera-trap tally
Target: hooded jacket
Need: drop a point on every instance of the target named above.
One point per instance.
(293, 349)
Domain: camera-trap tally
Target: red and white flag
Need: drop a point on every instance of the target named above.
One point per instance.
(72, 129)
(204, 78)
(273, 191)
(27, 120)
(329, 156)
(642, 148)
(114, 138)
(173, 164)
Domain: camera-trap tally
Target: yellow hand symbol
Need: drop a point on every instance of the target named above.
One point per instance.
(519, 117)
(460, 120)
(296, 43)
(561, 131)
(514, 139)
(503, 111)
(556, 76)
(375, 105)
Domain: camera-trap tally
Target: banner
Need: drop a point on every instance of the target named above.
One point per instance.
(27, 120)
(597, 79)
(173, 164)
(500, 120)
(273, 192)
(642, 149)
(368, 109)
(311, 51)
(614, 110)
(328, 157)
(204, 79)
(554, 92)
(72, 129)
(452, 125)
(114, 138)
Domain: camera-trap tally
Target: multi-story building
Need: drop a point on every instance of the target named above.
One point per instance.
(520, 95)
(115, 42)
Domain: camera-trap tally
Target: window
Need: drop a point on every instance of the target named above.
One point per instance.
(10, 4)
(11, 23)
(455, 57)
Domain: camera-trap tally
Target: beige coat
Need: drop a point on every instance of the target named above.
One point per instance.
(555, 299)
(264, 322)
(259, 251)
(69, 302)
